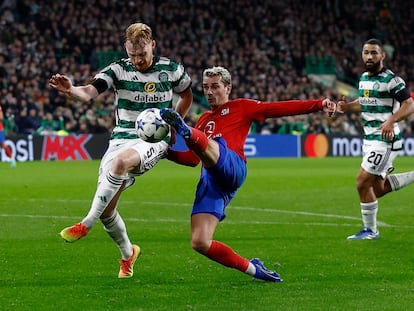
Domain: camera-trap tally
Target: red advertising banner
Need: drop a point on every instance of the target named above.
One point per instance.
(59, 148)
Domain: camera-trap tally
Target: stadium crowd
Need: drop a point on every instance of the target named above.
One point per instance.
(264, 46)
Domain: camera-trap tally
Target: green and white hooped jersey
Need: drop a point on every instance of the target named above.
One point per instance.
(378, 102)
(136, 91)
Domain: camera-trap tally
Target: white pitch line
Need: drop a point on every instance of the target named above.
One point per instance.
(299, 213)
(278, 211)
(73, 217)
(227, 221)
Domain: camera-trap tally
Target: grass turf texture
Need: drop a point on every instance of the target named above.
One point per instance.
(294, 214)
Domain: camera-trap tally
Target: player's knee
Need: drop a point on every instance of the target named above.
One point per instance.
(119, 165)
(363, 185)
(199, 245)
(359, 186)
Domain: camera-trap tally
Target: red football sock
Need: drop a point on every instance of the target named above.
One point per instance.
(8, 151)
(226, 256)
(198, 141)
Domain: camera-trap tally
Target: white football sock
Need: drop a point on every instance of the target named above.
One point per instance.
(116, 229)
(369, 215)
(251, 269)
(104, 194)
(398, 181)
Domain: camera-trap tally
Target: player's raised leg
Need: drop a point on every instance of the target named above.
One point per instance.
(174, 119)
(104, 194)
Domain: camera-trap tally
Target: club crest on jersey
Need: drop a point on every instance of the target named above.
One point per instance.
(225, 111)
(163, 76)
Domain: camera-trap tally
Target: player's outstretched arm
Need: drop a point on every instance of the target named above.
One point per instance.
(184, 102)
(64, 85)
(344, 106)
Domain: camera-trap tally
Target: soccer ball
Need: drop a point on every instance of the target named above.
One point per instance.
(150, 126)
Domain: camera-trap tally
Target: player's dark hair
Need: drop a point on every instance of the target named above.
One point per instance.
(374, 41)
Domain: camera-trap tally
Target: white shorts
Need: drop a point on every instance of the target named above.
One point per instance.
(150, 155)
(377, 157)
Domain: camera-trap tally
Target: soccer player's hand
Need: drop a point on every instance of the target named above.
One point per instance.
(61, 83)
(387, 130)
(341, 106)
(329, 106)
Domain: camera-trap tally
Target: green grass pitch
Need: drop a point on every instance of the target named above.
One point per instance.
(294, 214)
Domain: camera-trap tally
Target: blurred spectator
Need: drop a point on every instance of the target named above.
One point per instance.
(49, 125)
(265, 47)
(33, 121)
(22, 123)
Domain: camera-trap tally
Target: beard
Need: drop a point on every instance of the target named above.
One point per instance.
(373, 67)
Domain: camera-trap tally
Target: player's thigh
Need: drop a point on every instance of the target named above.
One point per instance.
(377, 157)
(149, 155)
(203, 226)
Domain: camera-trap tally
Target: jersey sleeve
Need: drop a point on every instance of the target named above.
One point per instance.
(184, 80)
(100, 85)
(398, 88)
(260, 111)
(291, 107)
(108, 74)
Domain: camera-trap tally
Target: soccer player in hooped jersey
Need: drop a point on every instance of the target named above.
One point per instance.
(3, 145)
(141, 81)
(383, 101)
(217, 140)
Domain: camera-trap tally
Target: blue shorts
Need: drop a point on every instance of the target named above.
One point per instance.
(218, 185)
(2, 137)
